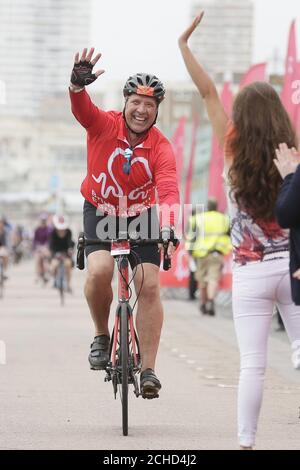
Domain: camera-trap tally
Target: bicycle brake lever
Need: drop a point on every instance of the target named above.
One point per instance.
(167, 259)
(80, 252)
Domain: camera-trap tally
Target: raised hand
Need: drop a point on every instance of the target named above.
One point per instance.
(287, 160)
(82, 73)
(185, 36)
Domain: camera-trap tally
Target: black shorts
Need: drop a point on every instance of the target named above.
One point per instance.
(107, 226)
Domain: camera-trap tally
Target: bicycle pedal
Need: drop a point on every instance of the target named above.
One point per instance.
(149, 396)
(149, 393)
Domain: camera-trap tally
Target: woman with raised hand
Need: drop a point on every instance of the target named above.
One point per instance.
(258, 125)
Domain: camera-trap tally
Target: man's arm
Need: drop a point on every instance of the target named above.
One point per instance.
(204, 83)
(93, 119)
(165, 178)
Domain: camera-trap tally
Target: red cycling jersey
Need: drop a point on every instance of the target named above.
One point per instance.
(153, 164)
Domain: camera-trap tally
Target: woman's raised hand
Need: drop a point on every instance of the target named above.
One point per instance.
(185, 36)
(286, 160)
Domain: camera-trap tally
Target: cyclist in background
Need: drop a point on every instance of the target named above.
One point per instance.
(61, 244)
(4, 243)
(128, 158)
(41, 248)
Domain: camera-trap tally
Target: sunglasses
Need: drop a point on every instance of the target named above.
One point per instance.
(127, 165)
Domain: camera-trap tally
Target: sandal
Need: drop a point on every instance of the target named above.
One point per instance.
(149, 383)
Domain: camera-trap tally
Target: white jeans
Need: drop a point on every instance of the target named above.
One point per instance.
(256, 287)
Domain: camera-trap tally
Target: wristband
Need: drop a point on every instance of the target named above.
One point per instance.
(75, 89)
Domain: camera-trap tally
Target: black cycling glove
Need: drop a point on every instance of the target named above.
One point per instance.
(82, 74)
(168, 235)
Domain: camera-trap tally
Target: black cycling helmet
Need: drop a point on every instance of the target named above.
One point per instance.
(144, 84)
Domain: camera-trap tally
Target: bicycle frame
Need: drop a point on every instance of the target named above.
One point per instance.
(123, 296)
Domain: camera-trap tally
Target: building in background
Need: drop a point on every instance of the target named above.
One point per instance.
(37, 43)
(182, 99)
(42, 151)
(224, 42)
(43, 160)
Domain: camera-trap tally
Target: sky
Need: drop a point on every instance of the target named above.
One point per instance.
(139, 35)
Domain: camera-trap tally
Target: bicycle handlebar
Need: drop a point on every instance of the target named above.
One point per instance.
(83, 242)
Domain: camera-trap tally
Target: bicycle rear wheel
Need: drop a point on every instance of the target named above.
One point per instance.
(124, 365)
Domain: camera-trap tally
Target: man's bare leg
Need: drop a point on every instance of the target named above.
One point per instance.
(149, 314)
(98, 291)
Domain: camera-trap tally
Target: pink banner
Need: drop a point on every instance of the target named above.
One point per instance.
(178, 275)
(189, 176)
(178, 146)
(296, 99)
(226, 98)
(290, 75)
(256, 73)
(216, 183)
(297, 122)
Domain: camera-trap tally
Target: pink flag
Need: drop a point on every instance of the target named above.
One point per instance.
(189, 177)
(297, 121)
(296, 100)
(215, 183)
(226, 98)
(290, 75)
(178, 144)
(256, 73)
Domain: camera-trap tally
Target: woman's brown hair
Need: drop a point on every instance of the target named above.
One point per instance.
(260, 125)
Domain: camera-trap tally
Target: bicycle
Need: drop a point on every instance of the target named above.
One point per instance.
(124, 351)
(60, 281)
(43, 259)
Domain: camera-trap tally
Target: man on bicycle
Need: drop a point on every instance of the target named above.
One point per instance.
(61, 245)
(127, 159)
(40, 247)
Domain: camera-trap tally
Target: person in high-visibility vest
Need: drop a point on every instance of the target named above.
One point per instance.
(211, 244)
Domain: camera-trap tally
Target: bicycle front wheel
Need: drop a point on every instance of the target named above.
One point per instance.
(124, 365)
